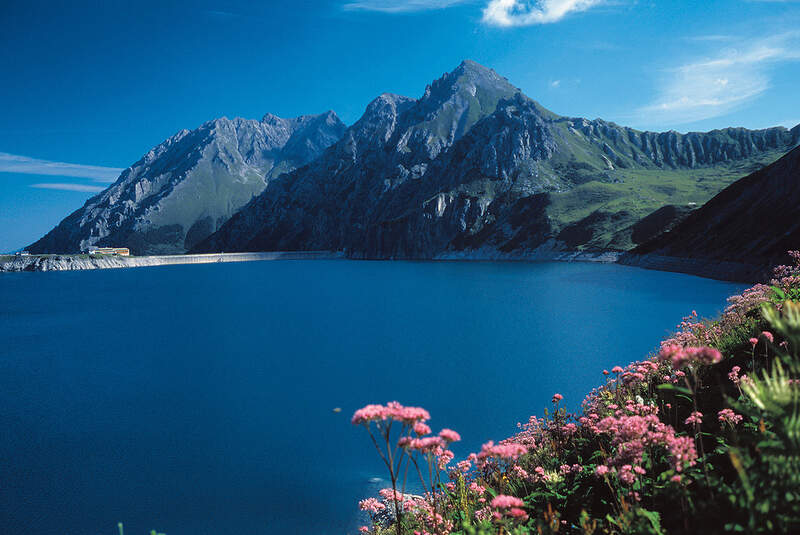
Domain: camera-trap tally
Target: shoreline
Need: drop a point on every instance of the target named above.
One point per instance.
(68, 262)
(709, 269)
(721, 270)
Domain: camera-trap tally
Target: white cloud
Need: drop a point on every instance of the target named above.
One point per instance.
(555, 83)
(710, 37)
(399, 6)
(717, 85)
(69, 187)
(13, 163)
(529, 12)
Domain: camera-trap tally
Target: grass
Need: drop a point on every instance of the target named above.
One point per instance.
(634, 193)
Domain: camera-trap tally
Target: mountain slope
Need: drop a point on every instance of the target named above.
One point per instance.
(188, 186)
(750, 224)
(474, 165)
(326, 204)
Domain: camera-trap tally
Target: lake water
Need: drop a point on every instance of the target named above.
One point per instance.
(199, 399)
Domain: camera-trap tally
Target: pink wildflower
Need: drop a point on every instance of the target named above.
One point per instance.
(632, 434)
(540, 474)
(617, 369)
(390, 495)
(754, 341)
(477, 489)
(734, 375)
(483, 514)
(727, 416)
(464, 466)
(421, 429)
(372, 505)
(519, 514)
(626, 474)
(502, 451)
(520, 472)
(680, 356)
(768, 336)
(601, 470)
(391, 411)
(695, 418)
(672, 353)
(424, 445)
(704, 355)
(675, 479)
(449, 435)
(557, 398)
(443, 459)
(503, 501)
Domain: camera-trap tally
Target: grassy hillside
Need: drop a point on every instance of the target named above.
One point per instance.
(608, 207)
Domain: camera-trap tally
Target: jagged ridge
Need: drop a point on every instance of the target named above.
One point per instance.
(474, 164)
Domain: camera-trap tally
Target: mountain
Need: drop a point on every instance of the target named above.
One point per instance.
(188, 186)
(744, 230)
(474, 167)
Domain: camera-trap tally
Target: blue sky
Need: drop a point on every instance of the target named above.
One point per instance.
(88, 87)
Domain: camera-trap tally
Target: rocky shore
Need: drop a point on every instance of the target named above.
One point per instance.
(75, 262)
(711, 269)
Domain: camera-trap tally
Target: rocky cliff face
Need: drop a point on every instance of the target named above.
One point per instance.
(475, 165)
(747, 227)
(328, 204)
(188, 186)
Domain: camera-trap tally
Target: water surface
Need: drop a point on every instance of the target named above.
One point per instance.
(198, 399)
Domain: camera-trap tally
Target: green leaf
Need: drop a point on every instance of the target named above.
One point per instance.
(672, 388)
(781, 295)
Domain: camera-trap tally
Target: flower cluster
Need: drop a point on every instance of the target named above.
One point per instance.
(680, 356)
(696, 418)
(507, 452)
(636, 428)
(727, 416)
(510, 507)
(391, 411)
(372, 505)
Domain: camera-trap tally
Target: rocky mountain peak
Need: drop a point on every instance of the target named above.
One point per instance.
(380, 119)
(452, 104)
(468, 79)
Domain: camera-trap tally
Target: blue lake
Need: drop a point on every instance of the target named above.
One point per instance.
(199, 399)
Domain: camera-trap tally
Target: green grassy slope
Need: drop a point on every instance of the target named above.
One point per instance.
(608, 208)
